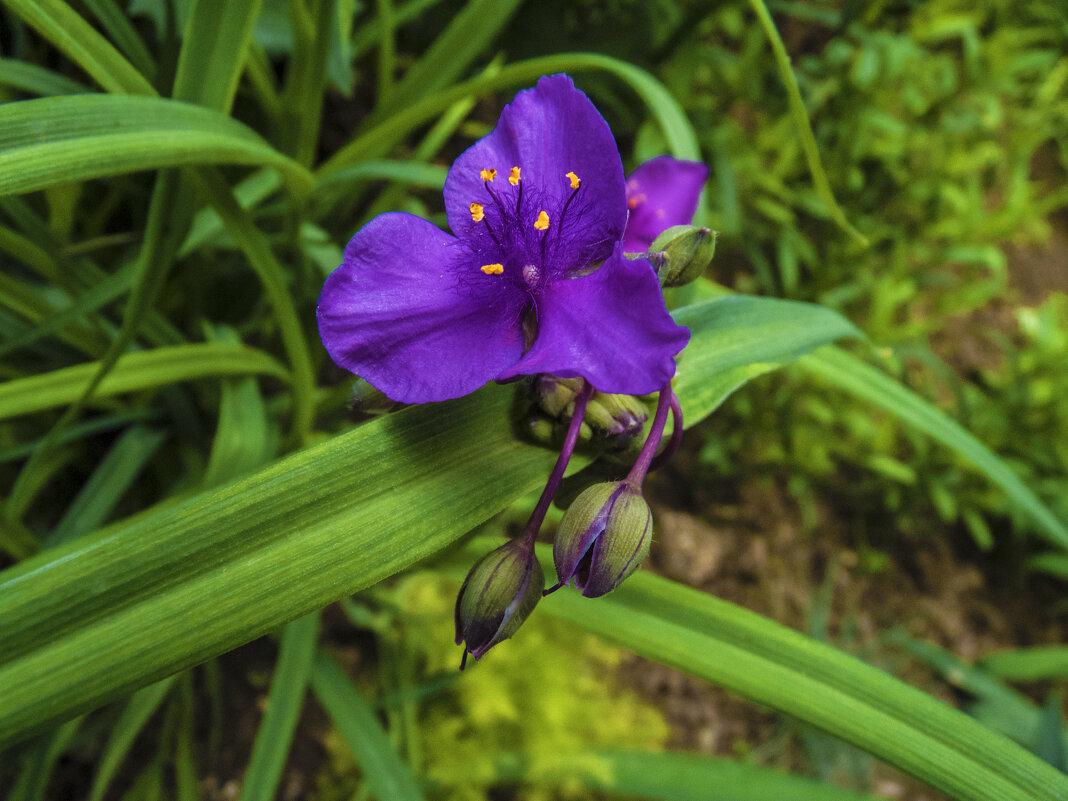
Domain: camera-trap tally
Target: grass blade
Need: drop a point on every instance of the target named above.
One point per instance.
(387, 774)
(850, 374)
(51, 141)
(135, 371)
(77, 39)
(36, 80)
(291, 672)
(1029, 664)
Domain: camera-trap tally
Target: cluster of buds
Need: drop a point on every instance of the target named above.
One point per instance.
(604, 535)
(681, 254)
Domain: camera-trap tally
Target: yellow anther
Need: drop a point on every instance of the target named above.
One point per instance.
(636, 200)
(542, 223)
(488, 174)
(476, 212)
(574, 179)
(513, 176)
(492, 269)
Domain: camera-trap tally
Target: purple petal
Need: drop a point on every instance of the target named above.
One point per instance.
(661, 193)
(548, 132)
(395, 314)
(610, 327)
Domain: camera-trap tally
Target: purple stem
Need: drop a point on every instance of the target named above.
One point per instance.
(537, 517)
(656, 431)
(665, 455)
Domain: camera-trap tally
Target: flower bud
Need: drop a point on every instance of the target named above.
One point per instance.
(608, 415)
(604, 536)
(687, 252)
(498, 594)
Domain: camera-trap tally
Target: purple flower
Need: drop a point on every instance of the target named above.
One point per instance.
(661, 193)
(534, 280)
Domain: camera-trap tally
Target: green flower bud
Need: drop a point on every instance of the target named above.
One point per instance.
(498, 594)
(603, 538)
(608, 415)
(687, 252)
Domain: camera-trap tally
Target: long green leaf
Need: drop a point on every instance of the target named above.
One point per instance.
(214, 47)
(670, 777)
(51, 141)
(115, 610)
(359, 728)
(738, 337)
(1040, 663)
(864, 381)
(785, 670)
(35, 79)
(63, 27)
(135, 371)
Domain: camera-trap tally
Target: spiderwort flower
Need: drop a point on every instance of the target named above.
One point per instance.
(534, 280)
(661, 193)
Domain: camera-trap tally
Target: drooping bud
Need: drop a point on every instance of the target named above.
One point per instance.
(608, 415)
(603, 538)
(687, 252)
(499, 593)
(616, 415)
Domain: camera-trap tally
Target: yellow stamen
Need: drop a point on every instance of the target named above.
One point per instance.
(542, 223)
(476, 212)
(492, 269)
(574, 179)
(488, 174)
(513, 176)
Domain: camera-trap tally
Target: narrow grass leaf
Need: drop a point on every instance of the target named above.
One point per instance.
(39, 762)
(61, 25)
(1040, 663)
(388, 776)
(850, 374)
(105, 487)
(135, 715)
(802, 123)
(214, 47)
(52, 141)
(669, 776)
(36, 80)
(116, 23)
(135, 371)
(286, 698)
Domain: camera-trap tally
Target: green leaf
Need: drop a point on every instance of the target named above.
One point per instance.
(96, 617)
(291, 672)
(135, 715)
(36, 80)
(99, 495)
(866, 382)
(135, 371)
(59, 140)
(670, 776)
(214, 46)
(1029, 664)
(388, 776)
(785, 670)
(58, 23)
(117, 24)
(737, 337)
